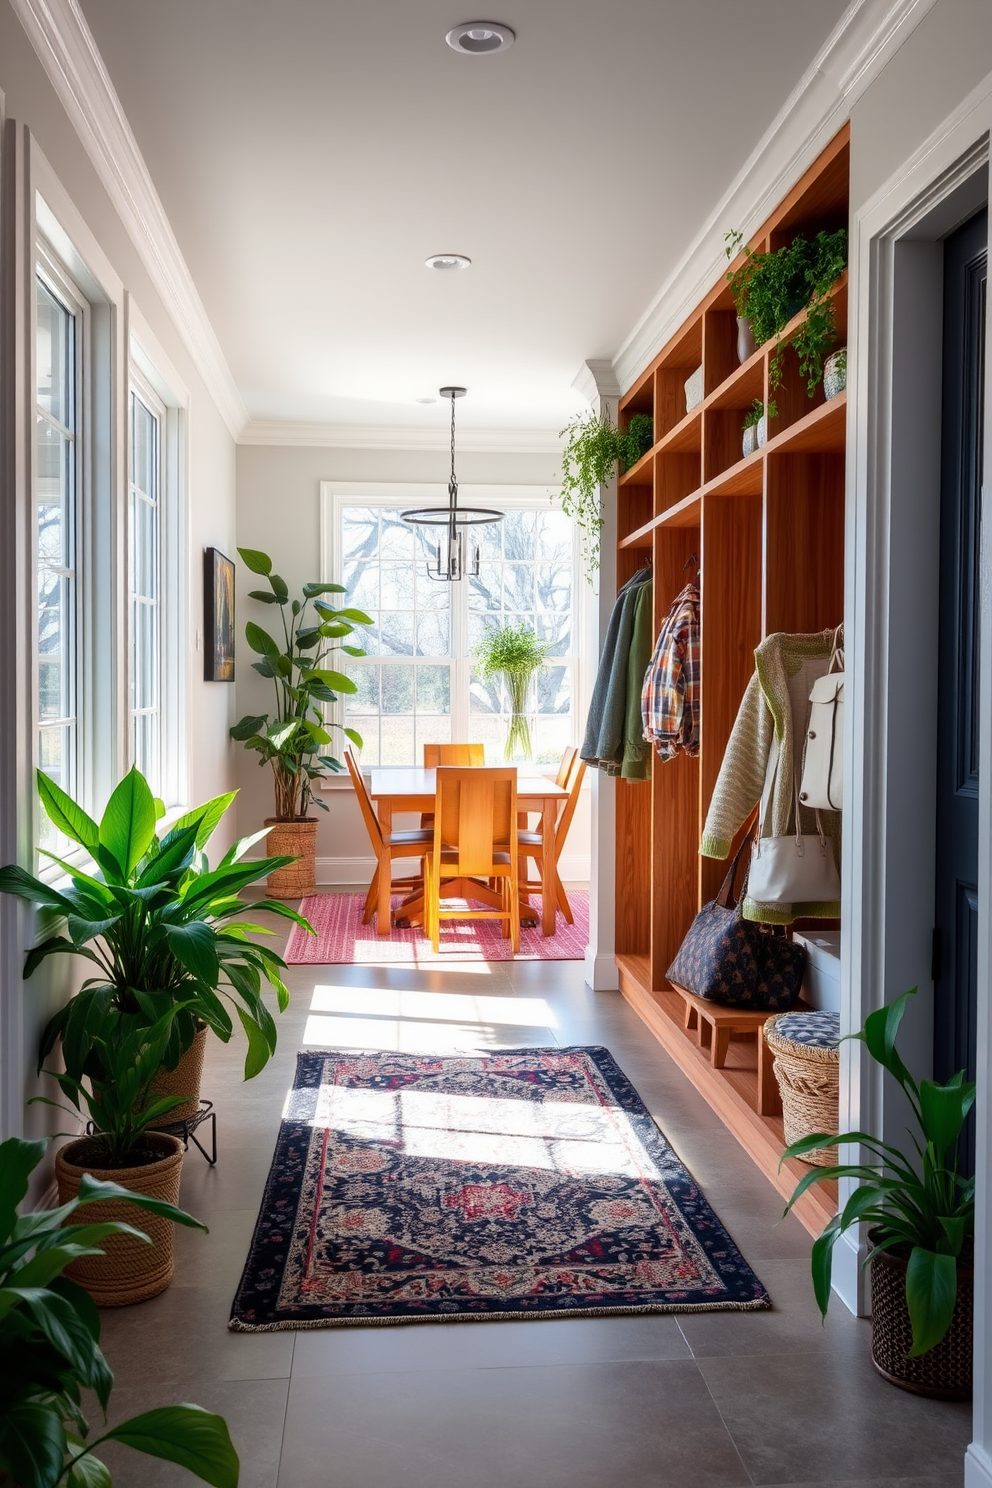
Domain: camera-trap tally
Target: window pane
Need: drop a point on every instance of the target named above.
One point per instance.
(145, 583)
(395, 634)
(397, 689)
(359, 533)
(433, 635)
(433, 690)
(144, 435)
(366, 698)
(53, 358)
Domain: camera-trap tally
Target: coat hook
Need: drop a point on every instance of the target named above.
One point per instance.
(691, 559)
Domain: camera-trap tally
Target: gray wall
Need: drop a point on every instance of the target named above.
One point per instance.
(279, 512)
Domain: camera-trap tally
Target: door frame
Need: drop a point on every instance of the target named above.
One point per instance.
(891, 587)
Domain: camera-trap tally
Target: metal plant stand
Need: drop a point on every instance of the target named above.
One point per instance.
(186, 1130)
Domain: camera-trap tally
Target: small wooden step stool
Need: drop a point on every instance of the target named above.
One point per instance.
(714, 1025)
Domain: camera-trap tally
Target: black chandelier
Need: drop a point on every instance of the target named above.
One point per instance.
(449, 560)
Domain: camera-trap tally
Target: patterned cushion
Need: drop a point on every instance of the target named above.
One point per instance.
(818, 1030)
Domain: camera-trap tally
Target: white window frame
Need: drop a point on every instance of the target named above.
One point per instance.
(140, 390)
(152, 375)
(53, 274)
(335, 495)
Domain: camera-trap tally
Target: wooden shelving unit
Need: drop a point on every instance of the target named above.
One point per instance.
(768, 532)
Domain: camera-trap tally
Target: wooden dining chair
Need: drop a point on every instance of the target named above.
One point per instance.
(408, 844)
(450, 754)
(530, 844)
(474, 838)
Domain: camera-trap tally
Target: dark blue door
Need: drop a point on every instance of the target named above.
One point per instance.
(955, 937)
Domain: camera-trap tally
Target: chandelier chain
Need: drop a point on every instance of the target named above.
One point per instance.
(452, 481)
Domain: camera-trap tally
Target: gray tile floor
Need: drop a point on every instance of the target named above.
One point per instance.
(636, 1402)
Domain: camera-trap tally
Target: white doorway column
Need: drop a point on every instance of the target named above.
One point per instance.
(597, 382)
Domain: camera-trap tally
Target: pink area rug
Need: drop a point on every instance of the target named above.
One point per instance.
(341, 937)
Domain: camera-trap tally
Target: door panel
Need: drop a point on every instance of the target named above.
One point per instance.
(956, 898)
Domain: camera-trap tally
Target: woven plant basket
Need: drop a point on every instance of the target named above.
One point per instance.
(298, 839)
(129, 1271)
(809, 1084)
(944, 1372)
(183, 1080)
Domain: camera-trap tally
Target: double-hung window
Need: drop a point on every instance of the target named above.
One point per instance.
(417, 683)
(145, 498)
(60, 330)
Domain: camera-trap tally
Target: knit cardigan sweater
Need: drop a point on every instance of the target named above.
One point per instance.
(775, 704)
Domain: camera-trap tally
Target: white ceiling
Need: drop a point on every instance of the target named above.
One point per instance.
(311, 155)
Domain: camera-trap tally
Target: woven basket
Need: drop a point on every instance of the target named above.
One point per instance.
(183, 1080)
(945, 1371)
(130, 1270)
(809, 1084)
(296, 839)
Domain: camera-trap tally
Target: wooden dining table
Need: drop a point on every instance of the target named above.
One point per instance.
(397, 788)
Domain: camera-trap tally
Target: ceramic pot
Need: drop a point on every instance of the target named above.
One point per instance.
(183, 1080)
(750, 441)
(835, 373)
(129, 1270)
(296, 839)
(745, 339)
(945, 1371)
(762, 431)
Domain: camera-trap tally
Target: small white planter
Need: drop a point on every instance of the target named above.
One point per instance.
(750, 441)
(694, 389)
(762, 430)
(835, 373)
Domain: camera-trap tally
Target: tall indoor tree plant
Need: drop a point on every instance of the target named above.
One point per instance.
(293, 738)
(512, 653)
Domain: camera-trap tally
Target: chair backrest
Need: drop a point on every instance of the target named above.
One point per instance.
(364, 800)
(573, 785)
(453, 754)
(475, 816)
(565, 768)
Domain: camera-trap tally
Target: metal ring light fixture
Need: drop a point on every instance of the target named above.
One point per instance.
(454, 518)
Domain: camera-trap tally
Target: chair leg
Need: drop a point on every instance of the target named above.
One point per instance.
(563, 903)
(432, 901)
(368, 908)
(514, 892)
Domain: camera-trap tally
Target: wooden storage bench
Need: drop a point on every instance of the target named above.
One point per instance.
(715, 1024)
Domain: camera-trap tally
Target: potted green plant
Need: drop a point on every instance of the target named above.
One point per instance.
(594, 448)
(770, 288)
(755, 426)
(293, 738)
(50, 1346)
(921, 1209)
(512, 653)
(163, 928)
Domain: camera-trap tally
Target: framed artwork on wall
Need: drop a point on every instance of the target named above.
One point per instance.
(218, 617)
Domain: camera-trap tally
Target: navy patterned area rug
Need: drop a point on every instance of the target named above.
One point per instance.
(518, 1184)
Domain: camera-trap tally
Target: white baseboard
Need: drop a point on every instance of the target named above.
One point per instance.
(601, 972)
(977, 1467)
(574, 868)
(850, 1278)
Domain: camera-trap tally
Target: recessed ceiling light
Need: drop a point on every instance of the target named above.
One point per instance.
(447, 261)
(479, 38)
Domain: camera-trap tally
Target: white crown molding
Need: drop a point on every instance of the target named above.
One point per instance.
(399, 437)
(865, 38)
(596, 380)
(68, 52)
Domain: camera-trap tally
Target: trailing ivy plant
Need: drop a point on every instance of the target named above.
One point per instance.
(594, 447)
(770, 288)
(291, 739)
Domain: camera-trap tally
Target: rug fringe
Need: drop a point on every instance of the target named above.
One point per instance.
(760, 1304)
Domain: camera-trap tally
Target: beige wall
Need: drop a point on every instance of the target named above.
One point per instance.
(948, 55)
(31, 104)
(279, 512)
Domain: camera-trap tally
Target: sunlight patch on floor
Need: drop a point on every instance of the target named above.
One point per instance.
(389, 1002)
(404, 1036)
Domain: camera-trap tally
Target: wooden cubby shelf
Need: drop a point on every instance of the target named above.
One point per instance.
(768, 533)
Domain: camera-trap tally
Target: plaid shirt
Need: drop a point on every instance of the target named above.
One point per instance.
(670, 695)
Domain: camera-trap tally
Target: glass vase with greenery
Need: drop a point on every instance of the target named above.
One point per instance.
(50, 1345)
(594, 448)
(292, 737)
(920, 1206)
(512, 653)
(165, 931)
(770, 288)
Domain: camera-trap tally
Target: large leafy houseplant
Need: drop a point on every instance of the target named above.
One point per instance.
(920, 1206)
(513, 653)
(166, 932)
(50, 1347)
(292, 737)
(770, 288)
(594, 448)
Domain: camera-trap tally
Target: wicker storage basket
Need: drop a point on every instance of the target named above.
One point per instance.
(945, 1371)
(806, 1064)
(297, 839)
(183, 1080)
(129, 1270)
